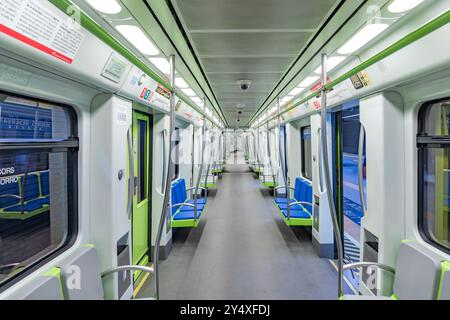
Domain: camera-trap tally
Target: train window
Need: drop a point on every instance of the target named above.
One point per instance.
(434, 173)
(142, 160)
(176, 154)
(37, 183)
(306, 152)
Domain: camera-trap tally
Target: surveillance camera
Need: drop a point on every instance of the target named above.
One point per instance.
(244, 84)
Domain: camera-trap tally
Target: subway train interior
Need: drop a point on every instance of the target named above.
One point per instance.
(225, 150)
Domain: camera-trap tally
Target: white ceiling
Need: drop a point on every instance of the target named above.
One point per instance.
(248, 39)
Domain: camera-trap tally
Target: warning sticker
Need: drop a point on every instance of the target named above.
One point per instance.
(31, 23)
(360, 80)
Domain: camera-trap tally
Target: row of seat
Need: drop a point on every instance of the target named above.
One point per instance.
(420, 274)
(184, 214)
(300, 206)
(79, 277)
(24, 196)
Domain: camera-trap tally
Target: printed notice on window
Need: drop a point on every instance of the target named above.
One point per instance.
(31, 23)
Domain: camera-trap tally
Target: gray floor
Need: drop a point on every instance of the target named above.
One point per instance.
(243, 250)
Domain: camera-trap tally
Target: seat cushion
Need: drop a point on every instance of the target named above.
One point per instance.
(186, 215)
(29, 207)
(42, 201)
(298, 214)
(283, 200)
(189, 208)
(199, 201)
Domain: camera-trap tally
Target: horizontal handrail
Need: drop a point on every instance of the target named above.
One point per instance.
(365, 264)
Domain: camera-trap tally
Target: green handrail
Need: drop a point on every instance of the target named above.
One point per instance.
(412, 37)
(93, 27)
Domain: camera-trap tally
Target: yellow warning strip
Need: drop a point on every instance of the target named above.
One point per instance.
(141, 284)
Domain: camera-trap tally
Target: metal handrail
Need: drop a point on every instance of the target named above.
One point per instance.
(127, 268)
(168, 181)
(320, 156)
(202, 159)
(364, 264)
(362, 136)
(326, 167)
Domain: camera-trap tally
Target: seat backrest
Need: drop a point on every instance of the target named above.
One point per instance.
(183, 190)
(298, 183)
(30, 186)
(417, 272)
(444, 289)
(81, 275)
(174, 196)
(182, 196)
(303, 190)
(46, 287)
(9, 189)
(45, 185)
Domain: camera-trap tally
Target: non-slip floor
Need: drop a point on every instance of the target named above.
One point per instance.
(243, 250)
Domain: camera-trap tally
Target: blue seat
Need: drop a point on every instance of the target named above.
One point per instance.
(300, 214)
(30, 187)
(184, 215)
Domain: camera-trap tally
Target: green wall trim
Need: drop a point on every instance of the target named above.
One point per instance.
(412, 37)
(445, 267)
(56, 272)
(90, 25)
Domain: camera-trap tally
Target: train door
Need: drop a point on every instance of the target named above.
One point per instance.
(350, 210)
(141, 199)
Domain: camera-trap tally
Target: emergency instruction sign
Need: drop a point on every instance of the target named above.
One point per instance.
(33, 24)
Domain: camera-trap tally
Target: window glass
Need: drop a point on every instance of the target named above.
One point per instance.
(142, 161)
(434, 170)
(176, 154)
(37, 183)
(306, 152)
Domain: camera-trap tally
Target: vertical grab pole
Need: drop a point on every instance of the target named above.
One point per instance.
(199, 175)
(283, 172)
(362, 137)
(334, 217)
(170, 172)
(268, 150)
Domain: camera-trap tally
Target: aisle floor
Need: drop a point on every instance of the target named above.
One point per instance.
(243, 250)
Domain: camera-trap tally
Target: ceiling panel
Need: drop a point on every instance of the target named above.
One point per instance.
(253, 14)
(253, 39)
(258, 44)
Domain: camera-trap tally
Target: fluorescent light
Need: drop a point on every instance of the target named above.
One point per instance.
(138, 39)
(332, 63)
(189, 92)
(363, 36)
(180, 83)
(274, 109)
(105, 6)
(196, 99)
(399, 6)
(286, 99)
(308, 81)
(162, 64)
(296, 91)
